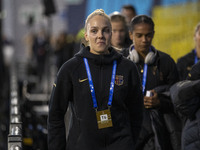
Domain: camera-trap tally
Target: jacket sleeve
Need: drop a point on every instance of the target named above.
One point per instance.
(61, 94)
(171, 71)
(185, 97)
(181, 66)
(170, 75)
(135, 103)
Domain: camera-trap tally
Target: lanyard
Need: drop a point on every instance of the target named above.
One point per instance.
(144, 79)
(195, 57)
(92, 86)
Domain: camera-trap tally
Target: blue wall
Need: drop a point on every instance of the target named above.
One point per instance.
(77, 14)
(141, 6)
(175, 2)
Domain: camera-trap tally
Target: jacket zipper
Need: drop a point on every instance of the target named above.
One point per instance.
(101, 80)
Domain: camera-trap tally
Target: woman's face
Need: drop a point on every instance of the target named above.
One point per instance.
(98, 34)
(118, 34)
(142, 37)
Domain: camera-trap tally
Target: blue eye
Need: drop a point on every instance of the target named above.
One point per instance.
(94, 31)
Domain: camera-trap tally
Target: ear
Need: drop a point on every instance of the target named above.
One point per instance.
(131, 35)
(86, 37)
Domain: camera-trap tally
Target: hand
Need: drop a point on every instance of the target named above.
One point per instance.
(151, 102)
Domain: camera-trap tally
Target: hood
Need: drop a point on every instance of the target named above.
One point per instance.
(99, 59)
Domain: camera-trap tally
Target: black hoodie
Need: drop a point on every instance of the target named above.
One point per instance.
(72, 87)
(185, 63)
(194, 74)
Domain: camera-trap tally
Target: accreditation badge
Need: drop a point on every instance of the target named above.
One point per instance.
(104, 119)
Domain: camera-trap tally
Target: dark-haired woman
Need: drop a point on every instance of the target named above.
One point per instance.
(158, 72)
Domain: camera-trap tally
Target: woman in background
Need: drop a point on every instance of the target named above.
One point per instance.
(185, 63)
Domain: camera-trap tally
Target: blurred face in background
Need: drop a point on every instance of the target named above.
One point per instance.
(142, 37)
(197, 40)
(118, 34)
(129, 14)
(98, 34)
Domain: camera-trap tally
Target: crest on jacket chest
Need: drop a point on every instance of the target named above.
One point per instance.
(119, 80)
(154, 70)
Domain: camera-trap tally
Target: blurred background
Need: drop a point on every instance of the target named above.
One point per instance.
(38, 36)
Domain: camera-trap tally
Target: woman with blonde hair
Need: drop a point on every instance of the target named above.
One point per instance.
(104, 92)
(185, 63)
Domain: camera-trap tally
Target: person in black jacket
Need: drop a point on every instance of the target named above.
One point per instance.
(186, 99)
(158, 72)
(103, 90)
(185, 63)
(190, 136)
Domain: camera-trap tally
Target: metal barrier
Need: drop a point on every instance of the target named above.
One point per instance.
(29, 121)
(15, 126)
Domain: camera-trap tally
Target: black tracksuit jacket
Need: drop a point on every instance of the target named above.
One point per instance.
(186, 99)
(185, 63)
(72, 87)
(162, 72)
(195, 72)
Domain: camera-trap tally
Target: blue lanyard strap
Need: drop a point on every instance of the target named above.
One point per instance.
(144, 79)
(112, 83)
(195, 57)
(90, 83)
(92, 86)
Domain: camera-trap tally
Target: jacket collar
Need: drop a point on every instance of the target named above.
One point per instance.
(99, 59)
